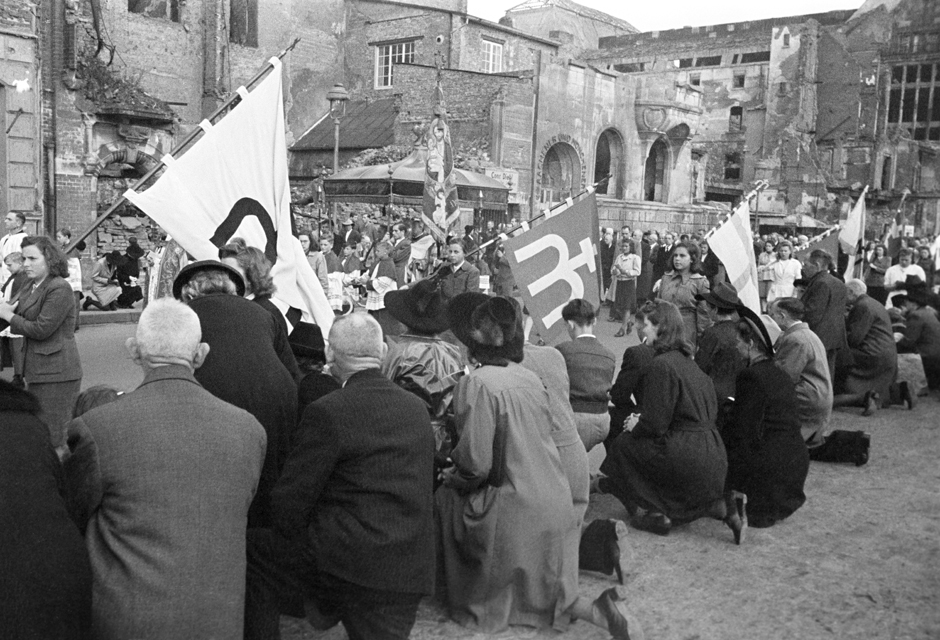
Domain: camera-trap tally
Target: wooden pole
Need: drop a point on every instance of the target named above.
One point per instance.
(230, 102)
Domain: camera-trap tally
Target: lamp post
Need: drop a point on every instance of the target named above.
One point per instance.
(338, 96)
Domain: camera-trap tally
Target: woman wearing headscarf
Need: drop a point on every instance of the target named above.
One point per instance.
(504, 512)
(44, 315)
(104, 282)
(671, 466)
(767, 458)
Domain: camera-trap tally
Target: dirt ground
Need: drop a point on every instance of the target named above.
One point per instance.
(861, 559)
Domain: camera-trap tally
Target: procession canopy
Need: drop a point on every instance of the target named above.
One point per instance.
(402, 182)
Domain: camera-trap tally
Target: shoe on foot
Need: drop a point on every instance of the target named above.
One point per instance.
(737, 515)
(652, 522)
(619, 334)
(907, 397)
(871, 403)
(599, 547)
(613, 608)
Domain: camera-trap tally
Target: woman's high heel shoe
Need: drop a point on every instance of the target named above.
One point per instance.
(613, 608)
(736, 519)
(620, 333)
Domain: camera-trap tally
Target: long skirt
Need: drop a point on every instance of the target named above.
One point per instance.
(626, 296)
(56, 399)
(772, 476)
(106, 293)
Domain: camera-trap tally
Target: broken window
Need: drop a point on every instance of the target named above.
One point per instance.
(695, 79)
(167, 9)
(709, 61)
(786, 39)
(886, 173)
(243, 23)
(630, 67)
(737, 81)
(735, 120)
(682, 63)
(387, 56)
(757, 56)
(733, 166)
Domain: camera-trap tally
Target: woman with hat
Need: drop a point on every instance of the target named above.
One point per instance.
(922, 331)
(671, 465)
(419, 360)
(104, 284)
(717, 353)
(767, 458)
(504, 511)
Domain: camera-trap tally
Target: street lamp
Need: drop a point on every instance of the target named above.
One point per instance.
(338, 96)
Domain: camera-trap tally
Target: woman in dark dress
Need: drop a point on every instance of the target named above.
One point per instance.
(767, 458)
(672, 464)
(45, 578)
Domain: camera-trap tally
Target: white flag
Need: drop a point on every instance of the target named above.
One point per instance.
(852, 234)
(233, 182)
(733, 243)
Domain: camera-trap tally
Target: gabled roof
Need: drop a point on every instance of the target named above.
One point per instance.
(366, 125)
(574, 7)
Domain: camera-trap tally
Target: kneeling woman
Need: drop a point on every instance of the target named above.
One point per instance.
(767, 458)
(505, 513)
(672, 465)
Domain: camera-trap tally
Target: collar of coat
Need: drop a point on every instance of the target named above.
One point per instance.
(169, 372)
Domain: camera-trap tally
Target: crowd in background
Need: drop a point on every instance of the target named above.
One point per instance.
(427, 445)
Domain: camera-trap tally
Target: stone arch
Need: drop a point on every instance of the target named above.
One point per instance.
(609, 159)
(561, 172)
(657, 169)
(109, 154)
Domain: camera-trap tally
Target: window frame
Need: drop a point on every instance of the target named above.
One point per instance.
(172, 7)
(489, 47)
(379, 69)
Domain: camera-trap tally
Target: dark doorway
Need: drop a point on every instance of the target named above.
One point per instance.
(654, 181)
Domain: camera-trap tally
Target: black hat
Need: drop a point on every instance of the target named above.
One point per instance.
(722, 296)
(910, 282)
(491, 326)
(420, 307)
(186, 274)
(134, 251)
(761, 325)
(116, 258)
(306, 340)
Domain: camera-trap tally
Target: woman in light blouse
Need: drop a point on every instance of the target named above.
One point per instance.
(626, 269)
(785, 269)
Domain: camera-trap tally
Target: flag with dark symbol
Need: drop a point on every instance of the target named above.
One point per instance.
(852, 238)
(233, 182)
(558, 260)
(440, 208)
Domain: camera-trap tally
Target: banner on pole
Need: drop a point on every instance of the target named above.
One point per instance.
(558, 261)
(233, 182)
(829, 244)
(852, 238)
(733, 243)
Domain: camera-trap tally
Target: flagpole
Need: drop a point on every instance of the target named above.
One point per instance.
(760, 186)
(197, 131)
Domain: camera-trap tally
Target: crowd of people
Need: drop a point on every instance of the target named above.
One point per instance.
(427, 446)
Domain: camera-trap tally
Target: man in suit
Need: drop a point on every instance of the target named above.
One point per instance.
(401, 251)
(15, 223)
(163, 478)
(353, 538)
(350, 235)
(459, 276)
(663, 253)
(824, 301)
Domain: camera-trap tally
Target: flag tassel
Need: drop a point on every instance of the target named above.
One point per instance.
(198, 131)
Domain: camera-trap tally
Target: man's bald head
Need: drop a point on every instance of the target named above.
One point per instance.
(168, 332)
(355, 345)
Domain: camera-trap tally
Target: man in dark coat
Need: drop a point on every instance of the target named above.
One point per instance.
(459, 276)
(867, 380)
(45, 577)
(353, 536)
(608, 250)
(824, 301)
(661, 261)
(245, 366)
(401, 251)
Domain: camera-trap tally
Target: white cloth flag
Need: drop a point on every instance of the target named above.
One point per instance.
(733, 243)
(853, 231)
(233, 182)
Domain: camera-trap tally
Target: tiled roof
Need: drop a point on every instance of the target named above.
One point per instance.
(574, 7)
(737, 35)
(366, 125)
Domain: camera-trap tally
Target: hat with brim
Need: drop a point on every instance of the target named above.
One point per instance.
(910, 282)
(116, 258)
(306, 340)
(134, 251)
(420, 307)
(490, 326)
(761, 325)
(186, 274)
(723, 296)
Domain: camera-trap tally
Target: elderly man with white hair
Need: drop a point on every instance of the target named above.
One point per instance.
(867, 379)
(164, 476)
(353, 535)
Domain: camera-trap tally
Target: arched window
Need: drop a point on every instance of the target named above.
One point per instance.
(654, 181)
(561, 173)
(608, 159)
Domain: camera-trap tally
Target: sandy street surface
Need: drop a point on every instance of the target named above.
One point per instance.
(861, 559)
